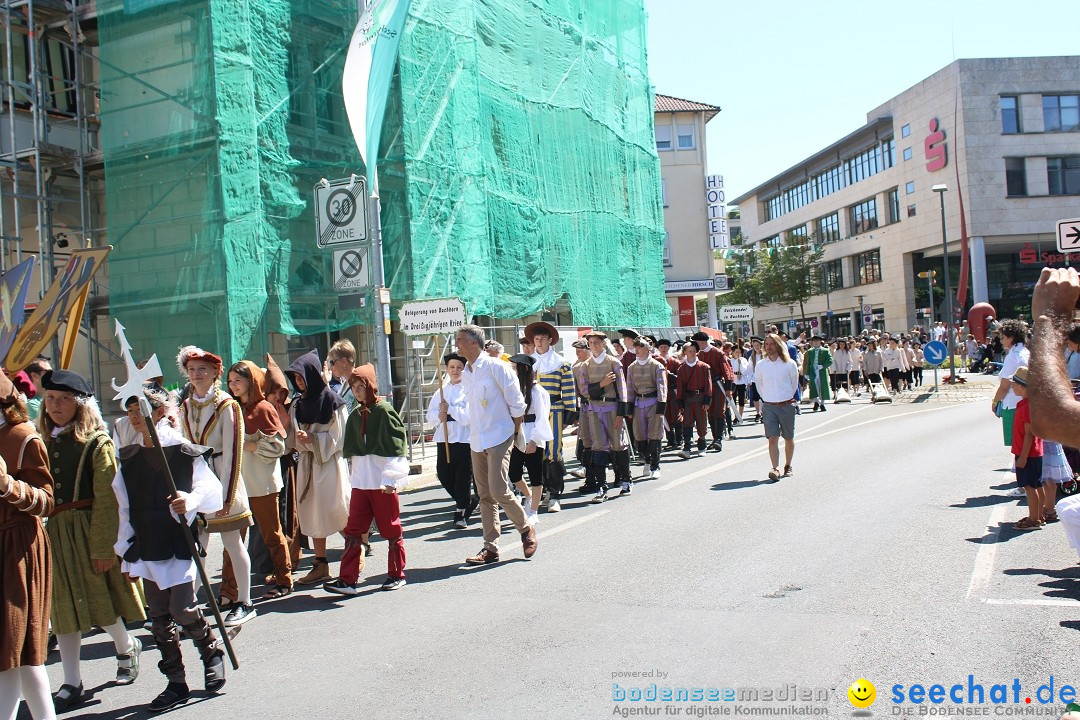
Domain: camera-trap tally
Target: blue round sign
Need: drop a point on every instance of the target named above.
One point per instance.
(935, 352)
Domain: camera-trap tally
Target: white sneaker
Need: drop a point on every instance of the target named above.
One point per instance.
(532, 519)
(626, 488)
(655, 474)
(1017, 492)
(554, 506)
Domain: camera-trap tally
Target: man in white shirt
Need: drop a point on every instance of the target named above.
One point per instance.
(496, 409)
(1014, 335)
(776, 378)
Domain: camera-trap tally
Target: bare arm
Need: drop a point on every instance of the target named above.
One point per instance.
(1055, 414)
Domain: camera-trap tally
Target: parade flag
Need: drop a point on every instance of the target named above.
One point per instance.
(55, 306)
(14, 285)
(369, 68)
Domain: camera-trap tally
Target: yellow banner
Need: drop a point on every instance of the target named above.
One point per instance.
(64, 294)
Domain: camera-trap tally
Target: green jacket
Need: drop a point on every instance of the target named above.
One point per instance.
(381, 433)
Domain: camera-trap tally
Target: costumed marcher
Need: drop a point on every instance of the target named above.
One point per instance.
(317, 432)
(26, 496)
(672, 417)
(88, 587)
(150, 539)
(721, 373)
(556, 376)
(536, 429)
(816, 363)
(647, 392)
(210, 417)
(583, 444)
(375, 442)
(694, 389)
(279, 395)
(455, 473)
(496, 409)
(264, 445)
(601, 379)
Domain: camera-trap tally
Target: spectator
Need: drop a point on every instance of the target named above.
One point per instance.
(1013, 339)
(1028, 450)
(1072, 352)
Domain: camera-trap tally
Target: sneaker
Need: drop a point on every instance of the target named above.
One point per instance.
(531, 518)
(553, 505)
(526, 505)
(788, 472)
(67, 697)
(240, 614)
(601, 495)
(171, 696)
(625, 488)
(774, 475)
(1017, 492)
(393, 583)
(127, 665)
(484, 557)
(340, 587)
(461, 523)
(686, 454)
(655, 474)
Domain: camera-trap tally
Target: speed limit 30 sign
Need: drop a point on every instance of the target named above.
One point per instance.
(341, 211)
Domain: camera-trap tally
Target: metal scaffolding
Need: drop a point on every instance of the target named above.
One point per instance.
(48, 148)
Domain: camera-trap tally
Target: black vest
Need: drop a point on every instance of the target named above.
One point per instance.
(157, 534)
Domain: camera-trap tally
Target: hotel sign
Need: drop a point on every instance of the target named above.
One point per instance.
(675, 286)
(715, 204)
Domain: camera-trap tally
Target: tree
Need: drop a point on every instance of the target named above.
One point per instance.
(788, 274)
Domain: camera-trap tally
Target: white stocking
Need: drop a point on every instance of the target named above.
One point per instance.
(70, 648)
(10, 693)
(120, 636)
(241, 564)
(35, 690)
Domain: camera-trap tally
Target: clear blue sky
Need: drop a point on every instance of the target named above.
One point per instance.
(793, 76)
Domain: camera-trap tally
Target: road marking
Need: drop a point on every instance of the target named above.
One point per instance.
(1050, 602)
(984, 560)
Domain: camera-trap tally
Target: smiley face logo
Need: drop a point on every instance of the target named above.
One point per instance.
(862, 693)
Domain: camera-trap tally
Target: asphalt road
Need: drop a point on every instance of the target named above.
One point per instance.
(889, 556)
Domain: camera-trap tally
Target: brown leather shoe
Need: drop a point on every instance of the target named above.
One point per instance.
(320, 570)
(528, 542)
(484, 557)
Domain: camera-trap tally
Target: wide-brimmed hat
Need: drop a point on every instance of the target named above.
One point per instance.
(532, 328)
(1020, 377)
(699, 336)
(595, 334)
(627, 332)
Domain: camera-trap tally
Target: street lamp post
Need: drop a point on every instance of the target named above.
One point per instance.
(941, 190)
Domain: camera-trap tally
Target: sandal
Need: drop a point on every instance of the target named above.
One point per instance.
(1027, 524)
(275, 592)
(1050, 516)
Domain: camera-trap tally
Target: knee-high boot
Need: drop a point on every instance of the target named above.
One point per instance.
(213, 657)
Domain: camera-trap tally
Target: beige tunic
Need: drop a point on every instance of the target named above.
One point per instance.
(322, 475)
(262, 469)
(218, 422)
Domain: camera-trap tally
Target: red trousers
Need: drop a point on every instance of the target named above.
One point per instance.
(384, 508)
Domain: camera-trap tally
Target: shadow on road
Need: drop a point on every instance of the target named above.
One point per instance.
(1070, 624)
(1066, 582)
(738, 485)
(1005, 533)
(984, 501)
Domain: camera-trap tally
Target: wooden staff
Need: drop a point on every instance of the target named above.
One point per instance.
(442, 397)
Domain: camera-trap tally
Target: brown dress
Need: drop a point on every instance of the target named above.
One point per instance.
(25, 563)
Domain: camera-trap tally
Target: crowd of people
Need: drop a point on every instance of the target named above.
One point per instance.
(97, 538)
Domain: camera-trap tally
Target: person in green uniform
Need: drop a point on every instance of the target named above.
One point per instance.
(816, 363)
(88, 587)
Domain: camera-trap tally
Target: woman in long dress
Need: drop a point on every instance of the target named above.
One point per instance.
(88, 587)
(317, 431)
(26, 496)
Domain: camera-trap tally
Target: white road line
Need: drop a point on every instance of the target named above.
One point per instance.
(984, 560)
(1050, 602)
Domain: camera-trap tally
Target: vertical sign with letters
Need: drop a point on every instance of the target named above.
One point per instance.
(716, 214)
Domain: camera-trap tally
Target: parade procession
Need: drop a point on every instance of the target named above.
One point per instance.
(553, 359)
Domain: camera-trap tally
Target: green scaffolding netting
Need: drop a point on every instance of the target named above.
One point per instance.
(518, 165)
(521, 165)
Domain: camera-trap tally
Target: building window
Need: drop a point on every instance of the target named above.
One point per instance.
(868, 267)
(667, 250)
(894, 205)
(829, 228)
(1015, 177)
(1061, 113)
(905, 131)
(911, 211)
(1010, 114)
(796, 235)
(663, 190)
(832, 276)
(663, 137)
(772, 242)
(1063, 175)
(686, 137)
(828, 182)
(909, 187)
(907, 153)
(56, 69)
(863, 217)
